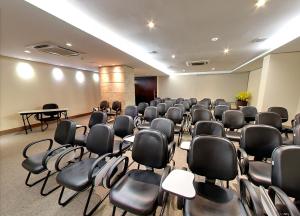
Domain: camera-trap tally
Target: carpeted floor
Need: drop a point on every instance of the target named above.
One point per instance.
(18, 199)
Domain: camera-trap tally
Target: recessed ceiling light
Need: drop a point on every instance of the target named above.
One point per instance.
(151, 24)
(27, 51)
(213, 69)
(214, 39)
(153, 52)
(69, 44)
(260, 3)
(173, 56)
(226, 51)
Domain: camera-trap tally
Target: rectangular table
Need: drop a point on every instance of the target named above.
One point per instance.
(27, 114)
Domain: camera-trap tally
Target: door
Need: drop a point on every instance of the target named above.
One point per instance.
(145, 89)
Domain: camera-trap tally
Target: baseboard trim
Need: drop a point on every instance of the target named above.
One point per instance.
(17, 129)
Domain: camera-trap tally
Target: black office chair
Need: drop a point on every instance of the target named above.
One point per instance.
(131, 111)
(218, 111)
(296, 120)
(116, 108)
(175, 114)
(193, 101)
(233, 120)
(179, 100)
(208, 128)
(258, 141)
(104, 106)
(123, 126)
(47, 116)
(149, 114)
(269, 118)
(215, 158)
(249, 113)
(206, 102)
(161, 109)
(139, 191)
(153, 103)
(82, 174)
(141, 108)
(197, 106)
(97, 117)
(220, 101)
(37, 163)
(199, 115)
(169, 103)
(187, 105)
(166, 127)
(284, 117)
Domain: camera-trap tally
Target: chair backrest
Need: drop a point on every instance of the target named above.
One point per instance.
(150, 113)
(281, 111)
(260, 140)
(207, 99)
(219, 101)
(269, 118)
(204, 103)
(218, 111)
(186, 104)
(65, 132)
(179, 100)
(297, 119)
(104, 105)
(233, 119)
(181, 107)
(50, 106)
(213, 157)
(141, 107)
(165, 126)
(296, 135)
(197, 106)
(97, 118)
(285, 170)
(201, 115)
(100, 139)
(131, 111)
(116, 106)
(161, 109)
(169, 103)
(175, 114)
(208, 128)
(150, 148)
(123, 126)
(193, 101)
(249, 113)
(153, 103)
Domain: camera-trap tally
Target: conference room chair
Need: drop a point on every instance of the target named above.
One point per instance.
(175, 114)
(220, 101)
(153, 103)
(249, 113)
(215, 158)
(208, 100)
(258, 141)
(284, 117)
(37, 163)
(161, 109)
(131, 111)
(197, 106)
(181, 107)
(296, 120)
(139, 191)
(97, 117)
(204, 104)
(104, 106)
(141, 108)
(150, 114)
(187, 105)
(116, 108)
(179, 100)
(169, 103)
(218, 111)
(44, 118)
(166, 127)
(193, 101)
(208, 128)
(123, 126)
(82, 174)
(199, 115)
(233, 121)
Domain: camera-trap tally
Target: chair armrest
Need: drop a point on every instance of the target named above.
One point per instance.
(53, 155)
(284, 199)
(68, 151)
(162, 196)
(95, 168)
(36, 142)
(172, 150)
(250, 198)
(116, 172)
(243, 160)
(82, 126)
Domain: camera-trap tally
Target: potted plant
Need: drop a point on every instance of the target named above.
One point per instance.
(242, 98)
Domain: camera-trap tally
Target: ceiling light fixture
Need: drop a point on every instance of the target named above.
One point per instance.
(214, 39)
(83, 21)
(226, 51)
(173, 56)
(68, 44)
(260, 3)
(151, 24)
(57, 74)
(27, 51)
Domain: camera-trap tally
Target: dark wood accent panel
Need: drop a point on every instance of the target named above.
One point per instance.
(145, 89)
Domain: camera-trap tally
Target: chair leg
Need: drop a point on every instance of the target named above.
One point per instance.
(88, 202)
(114, 212)
(44, 185)
(68, 200)
(34, 183)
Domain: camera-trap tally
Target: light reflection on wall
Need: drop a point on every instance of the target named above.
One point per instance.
(25, 71)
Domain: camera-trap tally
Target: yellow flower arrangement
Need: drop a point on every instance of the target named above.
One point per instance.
(243, 96)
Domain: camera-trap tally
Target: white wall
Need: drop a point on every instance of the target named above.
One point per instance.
(200, 86)
(18, 94)
(253, 86)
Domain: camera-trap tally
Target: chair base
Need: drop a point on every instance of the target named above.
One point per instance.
(34, 183)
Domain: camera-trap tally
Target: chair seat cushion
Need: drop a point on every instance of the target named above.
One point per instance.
(136, 192)
(143, 126)
(80, 140)
(213, 200)
(260, 173)
(233, 135)
(177, 129)
(34, 163)
(117, 143)
(75, 176)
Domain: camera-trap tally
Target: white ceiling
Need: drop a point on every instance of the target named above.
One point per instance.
(183, 28)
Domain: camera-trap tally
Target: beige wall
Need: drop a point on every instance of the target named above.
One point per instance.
(18, 94)
(279, 84)
(253, 86)
(213, 86)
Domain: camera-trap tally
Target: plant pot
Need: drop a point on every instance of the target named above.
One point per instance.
(241, 103)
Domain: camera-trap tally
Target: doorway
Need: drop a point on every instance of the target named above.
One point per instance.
(145, 89)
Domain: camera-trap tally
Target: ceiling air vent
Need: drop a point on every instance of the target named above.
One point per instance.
(54, 49)
(197, 63)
